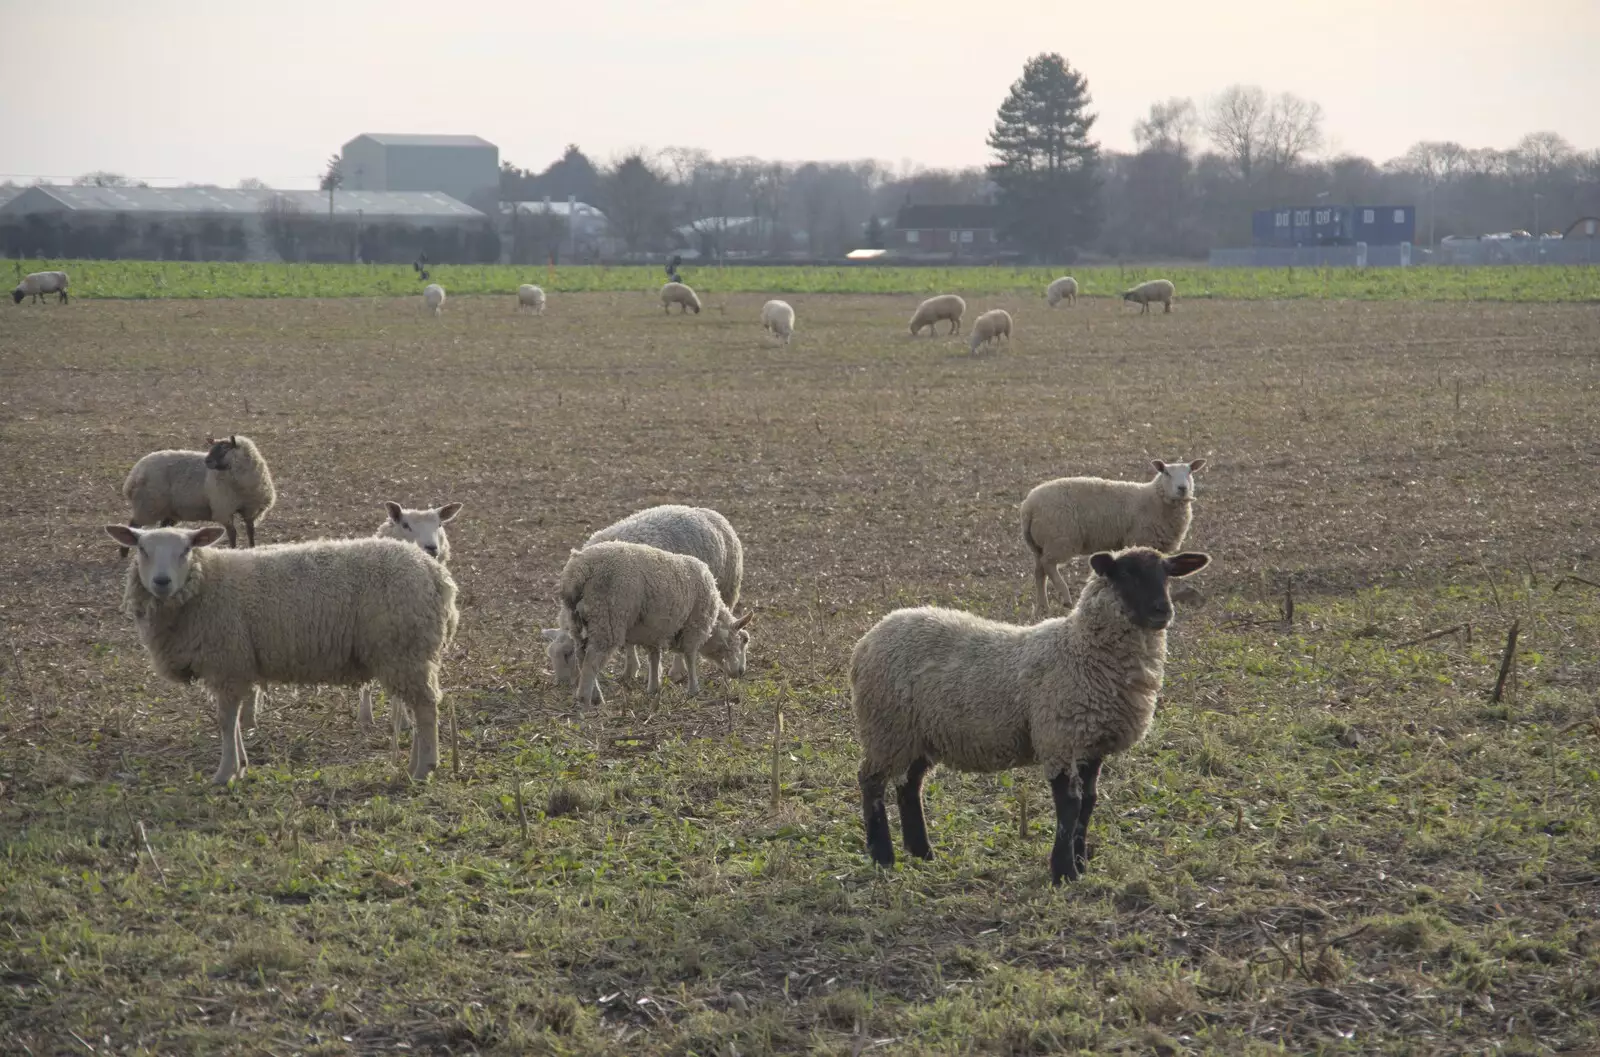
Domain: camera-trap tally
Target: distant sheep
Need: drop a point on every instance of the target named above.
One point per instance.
(1063, 289)
(616, 594)
(778, 318)
(935, 686)
(679, 294)
(1154, 290)
(530, 296)
(433, 297)
(936, 309)
(324, 612)
(229, 479)
(989, 327)
(38, 284)
(1069, 516)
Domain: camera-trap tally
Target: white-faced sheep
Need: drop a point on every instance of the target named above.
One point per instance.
(324, 612)
(38, 284)
(530, 296)
(778, 318)
(989, 327)
(699, 532)
(1154, 290)
(1063, 289)
(681, 295)
(616, 594)
(937, 686)
(228, 479)
(1069, 516)
(935, 309)
(433, 298)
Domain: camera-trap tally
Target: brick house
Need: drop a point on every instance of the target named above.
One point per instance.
(958, 230)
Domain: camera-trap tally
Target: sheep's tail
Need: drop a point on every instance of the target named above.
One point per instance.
(1027, 534)
(571, 619)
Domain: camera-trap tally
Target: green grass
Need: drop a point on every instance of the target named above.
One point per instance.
(148, 279)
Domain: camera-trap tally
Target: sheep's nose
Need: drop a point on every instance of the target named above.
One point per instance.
(162, 582)
(432, 550)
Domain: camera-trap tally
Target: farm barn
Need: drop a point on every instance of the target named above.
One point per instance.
(464, 167)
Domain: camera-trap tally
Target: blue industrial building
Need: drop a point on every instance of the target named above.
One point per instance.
(1330, 225)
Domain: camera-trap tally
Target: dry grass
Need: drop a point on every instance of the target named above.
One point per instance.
(1331, 840)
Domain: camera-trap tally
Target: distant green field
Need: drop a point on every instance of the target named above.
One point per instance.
(150, 279)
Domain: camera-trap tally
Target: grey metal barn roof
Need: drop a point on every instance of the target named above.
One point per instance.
(219, 201)
(407, 139)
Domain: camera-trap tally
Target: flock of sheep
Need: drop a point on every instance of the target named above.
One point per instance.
(930, 685)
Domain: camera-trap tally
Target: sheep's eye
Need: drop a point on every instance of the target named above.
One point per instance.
(406, 525)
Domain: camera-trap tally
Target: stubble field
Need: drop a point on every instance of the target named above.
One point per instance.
(1332, 839)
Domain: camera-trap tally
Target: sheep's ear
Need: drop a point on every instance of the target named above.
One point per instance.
(1103, 564)
(1197, 466)
(233, 438)
(551, 634)
(123, 534)
(744, 620)
(1186, 563)
(1160, 466)
(449, 511)
(204, 537)
(394, 511)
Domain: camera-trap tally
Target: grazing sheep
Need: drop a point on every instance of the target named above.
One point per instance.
(426, 529)
(328, 611)
(530, 296)
(679, 294)
(699, 532)
(1063, 289)
(1154, 290)
(778, 317)
(991, 326)
(229, 478)
(934, 309)
(616, 594)
(433, 297)
(38, 284)
(1069, 516)
(937, 686)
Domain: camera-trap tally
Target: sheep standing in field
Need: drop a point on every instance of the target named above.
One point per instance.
(1154, 290)
(1063, 289)
(935, 309)
(681, 295)
(425, 528)
(937, 686)
(433, 298)
(229, 478)
(38, 284)
(989, 327)
(1069, 516)
(778, 318)
(328, 611)
(530, 296)
(617, 594)
(699, 532)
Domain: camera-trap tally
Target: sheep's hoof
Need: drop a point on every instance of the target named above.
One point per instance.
(223, 776)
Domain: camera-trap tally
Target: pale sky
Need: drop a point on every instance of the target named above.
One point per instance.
(212, 92)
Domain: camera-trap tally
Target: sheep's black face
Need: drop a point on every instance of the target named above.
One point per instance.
(17, 296)
(217, 456)
(1140, 575)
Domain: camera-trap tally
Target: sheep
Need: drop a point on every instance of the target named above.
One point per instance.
(699, 532)
(935, 685)
(1070, 516)
(991, 326)
(38, 284)
(433, 297)
(1154, 290)
(531, 296)
(679, 294)
(934, 309)
(327, 611)
(778, 317)
(1063, 289)
(229, 478)
(425, 528)
(616, 594)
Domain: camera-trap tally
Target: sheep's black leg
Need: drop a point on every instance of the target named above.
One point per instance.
(913, 826)
(1089, 775)
(250, 530)
(876, 817)
(1066, 788)
(233, 534)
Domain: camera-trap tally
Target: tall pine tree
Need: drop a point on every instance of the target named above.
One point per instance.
(1048, 167)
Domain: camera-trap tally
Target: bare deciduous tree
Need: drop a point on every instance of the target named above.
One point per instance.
(1293, 130)
(1169, 127)
(1252, 130)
